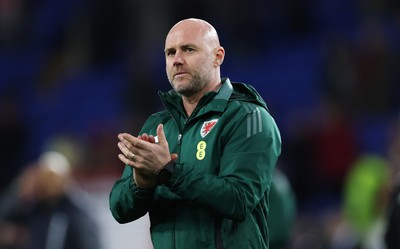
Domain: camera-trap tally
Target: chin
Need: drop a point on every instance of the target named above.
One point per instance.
(179, 85)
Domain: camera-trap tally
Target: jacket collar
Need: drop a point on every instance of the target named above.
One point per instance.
(212, 101)
(226, 90)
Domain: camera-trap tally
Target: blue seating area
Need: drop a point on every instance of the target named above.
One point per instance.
(68, 67)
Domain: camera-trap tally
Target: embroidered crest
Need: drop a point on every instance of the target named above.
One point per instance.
(207, 126)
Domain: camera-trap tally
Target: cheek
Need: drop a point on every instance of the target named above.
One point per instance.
(204, 66)
(168, 68)
(169, 62)
(168, 72)
(205, 63)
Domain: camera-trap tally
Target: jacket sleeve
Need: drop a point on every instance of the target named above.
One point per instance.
(129, 202)
(246, 168)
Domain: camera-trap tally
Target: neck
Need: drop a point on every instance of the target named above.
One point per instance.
(190, 103)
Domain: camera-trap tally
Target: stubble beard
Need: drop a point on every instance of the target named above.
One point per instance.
(194, 86)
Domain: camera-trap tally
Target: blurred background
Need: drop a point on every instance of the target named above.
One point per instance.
(74, 73)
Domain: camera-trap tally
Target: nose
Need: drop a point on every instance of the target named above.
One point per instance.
(178, 59)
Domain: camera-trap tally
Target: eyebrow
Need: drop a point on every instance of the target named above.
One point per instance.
(185, 46)
(169, 50)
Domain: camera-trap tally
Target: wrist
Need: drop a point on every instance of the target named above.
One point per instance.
(144, 181)
(165, 174)
(145, 184)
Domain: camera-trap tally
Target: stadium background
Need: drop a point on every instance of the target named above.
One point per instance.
(84, 70)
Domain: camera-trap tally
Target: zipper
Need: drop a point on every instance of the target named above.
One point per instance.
(179, 139)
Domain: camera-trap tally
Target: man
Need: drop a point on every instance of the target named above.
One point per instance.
(39, 210)
(203, 167)
(282, 211)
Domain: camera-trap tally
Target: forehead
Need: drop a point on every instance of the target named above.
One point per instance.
(185, 34)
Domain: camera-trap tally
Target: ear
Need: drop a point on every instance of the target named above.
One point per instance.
(219, 56)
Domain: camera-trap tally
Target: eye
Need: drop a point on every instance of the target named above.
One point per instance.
(170, 53)
(188, 49)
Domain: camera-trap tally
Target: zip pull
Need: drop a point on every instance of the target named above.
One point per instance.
(179, 139)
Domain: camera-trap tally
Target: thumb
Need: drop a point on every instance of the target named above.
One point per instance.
(160, 134)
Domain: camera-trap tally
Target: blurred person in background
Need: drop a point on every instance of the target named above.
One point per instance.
(38, 212)
(392, 232)
(365, 201)
(282, 213)
(202, 168)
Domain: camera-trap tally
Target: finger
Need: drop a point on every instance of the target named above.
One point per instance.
(125, 139)
(125, 151)
(152, 139)
(122, 148)
(123, 159)
(129, 158)
(126, 161)
(161, 134)
(174, 157)
(144, 137)
(134, 142)
(129, 140)
(125, 136)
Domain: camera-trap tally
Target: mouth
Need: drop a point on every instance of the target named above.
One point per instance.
(179, 74)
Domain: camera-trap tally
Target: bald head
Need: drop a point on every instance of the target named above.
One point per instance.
(193, 58)
(196, 29)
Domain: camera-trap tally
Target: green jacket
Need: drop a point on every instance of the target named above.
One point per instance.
(217, 196)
